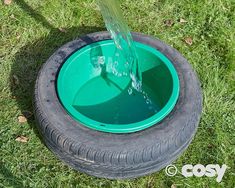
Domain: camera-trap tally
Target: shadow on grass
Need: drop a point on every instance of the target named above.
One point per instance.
(12, 180)
(30, 58)
(27, 62)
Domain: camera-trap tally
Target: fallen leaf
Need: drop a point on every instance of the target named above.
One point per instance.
(63, 30)
(173, 186)
(210, 146)
(15, 80)
(169, 23)
(12, 16)
(182, 21)
(188, 40)
(22, 139)
(27, 114)
(22, 119)
(7, 2)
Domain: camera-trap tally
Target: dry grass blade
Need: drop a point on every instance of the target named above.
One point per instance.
(182, 21)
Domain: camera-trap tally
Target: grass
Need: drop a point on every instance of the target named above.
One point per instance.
(30, 31)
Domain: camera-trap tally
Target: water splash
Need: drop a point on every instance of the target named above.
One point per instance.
(123, 40)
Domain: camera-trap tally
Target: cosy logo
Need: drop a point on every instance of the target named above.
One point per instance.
(199, 170)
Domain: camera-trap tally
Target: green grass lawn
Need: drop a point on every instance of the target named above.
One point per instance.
(30, 31)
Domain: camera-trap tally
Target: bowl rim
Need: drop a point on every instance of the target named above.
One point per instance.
(120, 128)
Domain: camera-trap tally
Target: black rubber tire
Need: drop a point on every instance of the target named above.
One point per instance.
(116, 156)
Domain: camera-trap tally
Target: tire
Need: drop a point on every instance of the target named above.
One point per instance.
(116, 156)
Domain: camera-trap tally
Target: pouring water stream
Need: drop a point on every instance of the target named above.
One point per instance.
(123, 40)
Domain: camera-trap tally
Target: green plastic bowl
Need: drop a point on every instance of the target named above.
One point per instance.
(98, 99)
